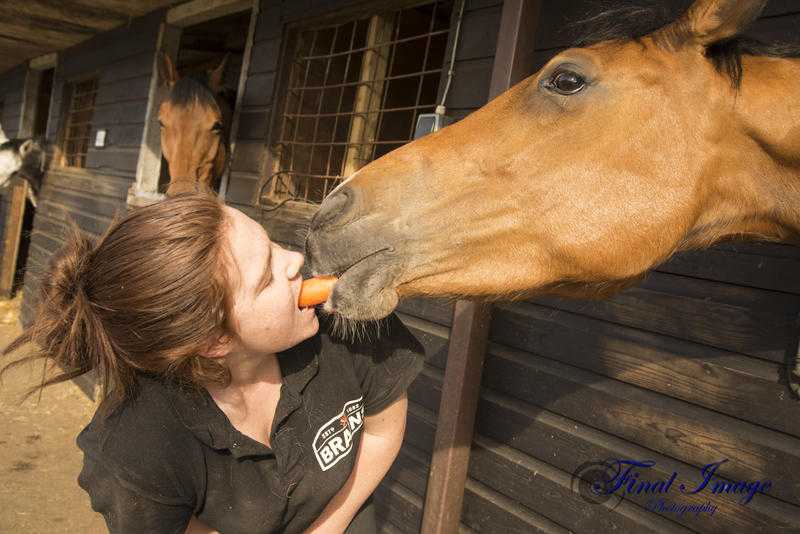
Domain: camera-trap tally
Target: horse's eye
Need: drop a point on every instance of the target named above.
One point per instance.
(567, 82)
(217, 128)
(160, 124)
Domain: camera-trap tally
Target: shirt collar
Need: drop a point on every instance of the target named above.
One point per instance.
(300, 364)
(201, 415)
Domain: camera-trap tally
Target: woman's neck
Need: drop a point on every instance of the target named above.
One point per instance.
(248, 372)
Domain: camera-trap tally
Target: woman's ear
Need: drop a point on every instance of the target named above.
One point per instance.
(220, 348)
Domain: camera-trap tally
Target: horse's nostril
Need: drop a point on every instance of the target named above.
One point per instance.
(334, 208)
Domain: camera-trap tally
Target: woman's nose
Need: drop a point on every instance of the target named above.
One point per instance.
(296, 262)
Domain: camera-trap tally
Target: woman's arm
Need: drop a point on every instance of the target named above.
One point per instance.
(383, 436)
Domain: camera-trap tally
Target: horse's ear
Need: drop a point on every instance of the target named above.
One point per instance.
(709, 21)
(167, 73)
(26, 147)
(216, 76)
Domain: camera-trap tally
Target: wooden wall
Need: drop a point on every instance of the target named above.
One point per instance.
(685, 368)
(122, 59)
(12, 86)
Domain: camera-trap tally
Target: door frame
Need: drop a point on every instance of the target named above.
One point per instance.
(148, 169)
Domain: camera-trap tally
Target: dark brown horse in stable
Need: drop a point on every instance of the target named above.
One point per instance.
(580, 178)
(195, 122)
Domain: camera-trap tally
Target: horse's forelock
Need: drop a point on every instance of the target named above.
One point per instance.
(191, 89)
(617, 21)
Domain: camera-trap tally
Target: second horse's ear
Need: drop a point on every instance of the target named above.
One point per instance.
(28, 146)
(709, 21)
(216, 76)
(167, 73)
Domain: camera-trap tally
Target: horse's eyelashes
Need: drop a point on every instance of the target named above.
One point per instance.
(217, 128)
(567, 82)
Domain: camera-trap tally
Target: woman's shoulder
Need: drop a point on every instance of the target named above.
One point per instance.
(143, 446)
(144, 429)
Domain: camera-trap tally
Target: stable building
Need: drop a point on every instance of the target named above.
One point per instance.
(687, 369)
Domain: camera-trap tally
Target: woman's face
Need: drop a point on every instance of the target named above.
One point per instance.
(265, 280)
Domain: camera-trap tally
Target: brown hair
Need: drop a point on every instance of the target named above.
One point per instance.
(148, 297)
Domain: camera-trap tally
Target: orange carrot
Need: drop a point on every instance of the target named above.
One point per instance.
(316, 290)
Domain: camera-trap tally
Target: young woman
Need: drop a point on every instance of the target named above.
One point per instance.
(225, 406)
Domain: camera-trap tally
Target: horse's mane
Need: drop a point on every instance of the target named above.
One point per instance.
(630, 21)
(192, 88)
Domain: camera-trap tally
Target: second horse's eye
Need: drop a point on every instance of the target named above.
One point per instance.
(217, 128)
(567, 82)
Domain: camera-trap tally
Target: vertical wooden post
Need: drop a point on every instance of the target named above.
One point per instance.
(470, 330)
(462, 382)
(12, 236)
(237, 107)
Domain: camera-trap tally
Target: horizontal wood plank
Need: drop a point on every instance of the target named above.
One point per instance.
(748, 389)
(399, 506)
(745, 320)
(567, 445)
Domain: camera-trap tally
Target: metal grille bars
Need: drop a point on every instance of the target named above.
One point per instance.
(79, 122)
(353, 93)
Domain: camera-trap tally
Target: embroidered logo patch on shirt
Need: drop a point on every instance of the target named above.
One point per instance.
(334, 439)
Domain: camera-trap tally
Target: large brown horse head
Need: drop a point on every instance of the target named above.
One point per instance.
(194, 123)
(579, 178)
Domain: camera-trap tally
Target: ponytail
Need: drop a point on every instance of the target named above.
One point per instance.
(118, 306)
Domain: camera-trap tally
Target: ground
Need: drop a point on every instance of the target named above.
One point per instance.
(39, 492)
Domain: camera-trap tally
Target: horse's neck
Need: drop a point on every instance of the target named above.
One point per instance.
(769, 105)
(765, 160)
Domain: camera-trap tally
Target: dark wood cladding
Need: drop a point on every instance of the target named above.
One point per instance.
(12, 86)
(31, 28)
(685, 368)
(121, 60)
(538, 420)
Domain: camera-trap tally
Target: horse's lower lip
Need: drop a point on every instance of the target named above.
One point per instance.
(364, 292)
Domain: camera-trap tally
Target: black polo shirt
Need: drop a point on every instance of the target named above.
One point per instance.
(170, 453)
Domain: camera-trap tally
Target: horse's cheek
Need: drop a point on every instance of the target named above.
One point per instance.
(166, 149)
(219, 164)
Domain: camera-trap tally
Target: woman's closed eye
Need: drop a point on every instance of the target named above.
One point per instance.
(267, 276)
